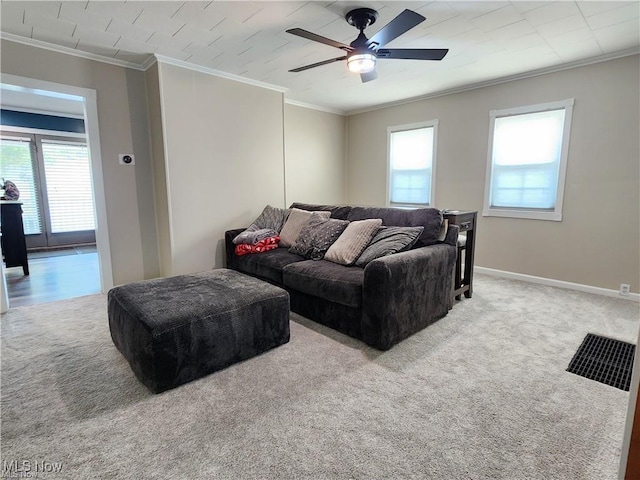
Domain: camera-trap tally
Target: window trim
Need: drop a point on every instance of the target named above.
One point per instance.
(402, 128)
(554, 214)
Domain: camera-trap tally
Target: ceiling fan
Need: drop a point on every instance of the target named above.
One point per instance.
(363, 52)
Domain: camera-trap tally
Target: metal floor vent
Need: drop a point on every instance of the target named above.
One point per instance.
(604, 360)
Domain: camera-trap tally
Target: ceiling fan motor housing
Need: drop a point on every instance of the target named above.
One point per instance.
(361, 18)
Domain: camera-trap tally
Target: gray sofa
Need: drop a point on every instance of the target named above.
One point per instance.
(390, 299)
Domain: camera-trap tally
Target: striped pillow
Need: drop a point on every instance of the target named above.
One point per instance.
(387, 241)
(353, 241)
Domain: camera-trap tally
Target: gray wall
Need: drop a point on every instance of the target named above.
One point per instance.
(122, 118)
(597, 243)
(315, 162)
(217, 162)
(161, 200)
(224, 161)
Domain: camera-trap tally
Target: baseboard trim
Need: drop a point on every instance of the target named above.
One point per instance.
(634, 297)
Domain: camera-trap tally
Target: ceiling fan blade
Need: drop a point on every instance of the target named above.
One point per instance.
(318, 38)
(396, 27)
(367, 77)
(313, 65)
(413, 53)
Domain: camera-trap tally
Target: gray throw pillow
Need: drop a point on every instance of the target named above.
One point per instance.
(272, 218)
(293, 226)
(387, 241)
(353, 241)
(317, 236)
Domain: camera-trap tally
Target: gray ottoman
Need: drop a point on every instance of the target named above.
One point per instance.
(174, 330)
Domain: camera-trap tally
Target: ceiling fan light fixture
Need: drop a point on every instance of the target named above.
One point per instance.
(361, 62)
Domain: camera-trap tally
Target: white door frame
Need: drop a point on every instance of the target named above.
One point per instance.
(89, 99)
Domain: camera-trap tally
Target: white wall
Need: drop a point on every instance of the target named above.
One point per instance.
(597, 241)
(224, 159)
(315, 162)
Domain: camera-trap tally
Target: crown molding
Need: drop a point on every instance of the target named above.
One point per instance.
(149, 62)
(68, 51)
(153, 59)
(218, 73)
(314, 107)
(497, 81)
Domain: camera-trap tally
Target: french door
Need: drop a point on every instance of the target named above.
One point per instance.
(54, 178)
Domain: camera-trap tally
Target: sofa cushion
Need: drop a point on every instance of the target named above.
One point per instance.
(327, 280)
(317, 236)
(353, 241)
(429, 218)
(387, 241)
(267, 265)
(295, 223)
(337, 211)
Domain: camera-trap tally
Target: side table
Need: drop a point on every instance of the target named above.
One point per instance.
(466, 221)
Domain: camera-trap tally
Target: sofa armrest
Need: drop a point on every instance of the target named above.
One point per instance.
(229, 246)
(404, 292)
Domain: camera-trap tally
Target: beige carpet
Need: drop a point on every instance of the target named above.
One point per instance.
(481, 394)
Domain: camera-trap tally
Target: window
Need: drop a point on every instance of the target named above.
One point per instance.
(53, 175)
(412, 159)
(17, 157)
(69, 188)
(527, 161)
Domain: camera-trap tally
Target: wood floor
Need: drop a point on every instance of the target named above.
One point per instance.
(54, 276)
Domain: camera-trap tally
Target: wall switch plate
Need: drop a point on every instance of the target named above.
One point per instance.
(127, 159)
(624, 289)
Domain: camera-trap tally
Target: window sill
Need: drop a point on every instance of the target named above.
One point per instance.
(553, 216)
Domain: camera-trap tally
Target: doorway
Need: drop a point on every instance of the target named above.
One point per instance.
(87, 97)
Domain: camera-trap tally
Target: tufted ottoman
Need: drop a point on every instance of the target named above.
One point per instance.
(177, 329)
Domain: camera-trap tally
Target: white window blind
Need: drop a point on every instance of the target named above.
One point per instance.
(411, 160)
(69, 188)
(527, 161)
(17, 164)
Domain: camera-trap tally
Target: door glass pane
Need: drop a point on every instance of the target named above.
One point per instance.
(16, 164)
(69, 189)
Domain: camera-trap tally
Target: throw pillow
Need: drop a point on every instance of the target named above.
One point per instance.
(295, 222)
(272, 218)
(317, 236)
(387, 241)
(252, 237)
(353, 241)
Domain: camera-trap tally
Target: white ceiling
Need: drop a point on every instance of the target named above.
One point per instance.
(487, 40)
